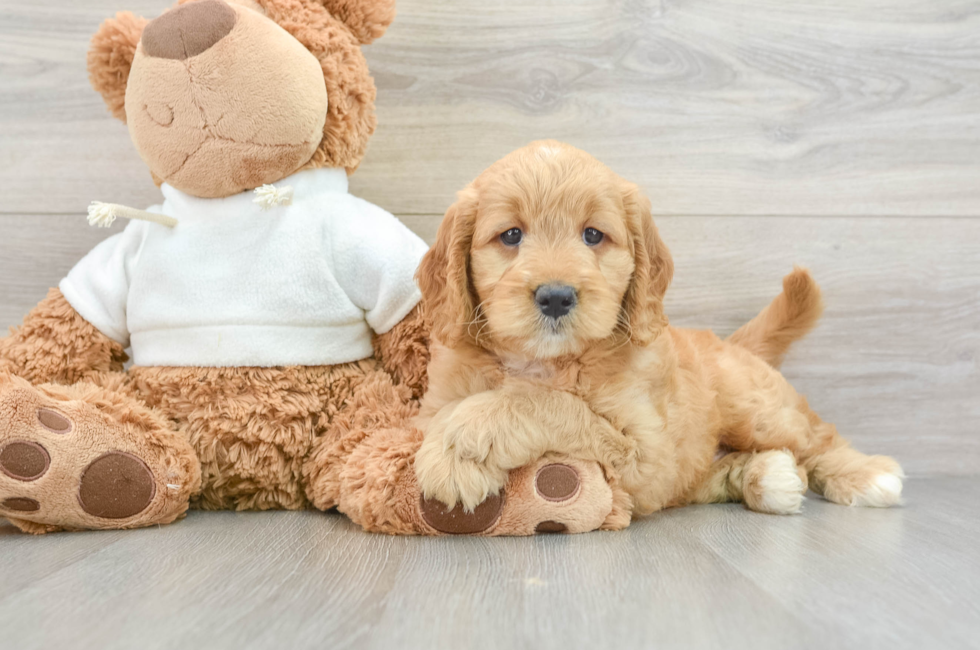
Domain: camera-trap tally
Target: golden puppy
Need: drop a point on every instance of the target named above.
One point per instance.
(546, 286)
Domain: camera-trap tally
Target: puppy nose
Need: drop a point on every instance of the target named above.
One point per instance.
(188, 30)
(555, 300)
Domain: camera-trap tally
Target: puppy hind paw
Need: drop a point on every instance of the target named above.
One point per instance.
(863, 481)
(884, 491)
(773, 484)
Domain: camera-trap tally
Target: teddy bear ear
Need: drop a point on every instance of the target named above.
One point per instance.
(110, 56)
(367, 19)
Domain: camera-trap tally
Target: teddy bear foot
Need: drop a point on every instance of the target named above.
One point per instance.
(377, 488)
(555, 494)
(83, 457)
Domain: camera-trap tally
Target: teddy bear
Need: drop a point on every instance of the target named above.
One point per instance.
(279, 345)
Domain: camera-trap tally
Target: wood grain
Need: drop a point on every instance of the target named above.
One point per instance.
(717, 107)
(837, 134)
(700, 577)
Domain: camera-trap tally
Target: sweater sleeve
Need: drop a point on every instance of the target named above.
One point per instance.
(375, 258)
(97, 287)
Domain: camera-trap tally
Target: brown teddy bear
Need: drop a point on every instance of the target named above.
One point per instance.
(279, 347)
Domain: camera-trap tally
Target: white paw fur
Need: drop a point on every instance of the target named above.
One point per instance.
(885, 491)
(782, 489)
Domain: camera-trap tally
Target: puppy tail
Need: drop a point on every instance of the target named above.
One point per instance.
(786, 319)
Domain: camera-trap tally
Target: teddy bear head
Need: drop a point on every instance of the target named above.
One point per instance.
(224, 96)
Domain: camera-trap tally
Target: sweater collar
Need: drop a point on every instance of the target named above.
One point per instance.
(305, 184)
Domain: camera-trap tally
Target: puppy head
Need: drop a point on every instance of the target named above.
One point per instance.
(544, 254)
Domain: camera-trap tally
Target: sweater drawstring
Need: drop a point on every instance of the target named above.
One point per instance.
(102, 215)
(269, 196)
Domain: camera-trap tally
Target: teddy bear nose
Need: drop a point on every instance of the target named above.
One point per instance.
(188, 30)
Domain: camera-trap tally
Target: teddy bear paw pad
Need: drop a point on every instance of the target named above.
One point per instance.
(457, 521)
(116, 485)
(20, 504)
(555, 494)
(557, 482)
(551, 527)
(53, 421)
(24, 461)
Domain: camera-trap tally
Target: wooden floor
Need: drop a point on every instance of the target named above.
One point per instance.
(700, 577)
(838, 134)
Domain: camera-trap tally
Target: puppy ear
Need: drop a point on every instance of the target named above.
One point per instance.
(644, 300)
(110, 57)
(444, 273)
(367, 19)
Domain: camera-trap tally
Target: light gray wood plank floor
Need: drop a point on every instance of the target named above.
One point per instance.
(837, 134)
(707, 577)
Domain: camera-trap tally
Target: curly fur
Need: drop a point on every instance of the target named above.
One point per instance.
(367, 19)
(610, 379)
(404, 351)
(251, 429)
(788, 318)
(55, 344)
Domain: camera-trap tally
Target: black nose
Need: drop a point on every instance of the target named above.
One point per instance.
(555, 300)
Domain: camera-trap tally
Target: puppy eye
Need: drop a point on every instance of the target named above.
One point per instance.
(591, 236)
(512, 237)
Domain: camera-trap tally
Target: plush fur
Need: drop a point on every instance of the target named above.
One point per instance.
(610, 380)
(366, 20)
(110, 58)
(260, 90)
(190, 125)
(788, 318)
(244, 438)
(264, 143)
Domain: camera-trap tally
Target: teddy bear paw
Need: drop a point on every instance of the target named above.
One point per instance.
(553, 495)
(69, 464)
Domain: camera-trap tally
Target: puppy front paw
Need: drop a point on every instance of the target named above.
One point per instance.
(447, 477)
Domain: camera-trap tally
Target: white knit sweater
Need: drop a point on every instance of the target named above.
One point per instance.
(233, 284)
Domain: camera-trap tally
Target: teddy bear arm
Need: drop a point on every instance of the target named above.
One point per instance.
(403, 351)
(55, 344)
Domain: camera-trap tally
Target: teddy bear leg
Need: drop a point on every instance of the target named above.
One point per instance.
(88, 457)
(364, 467)
(376, 404)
